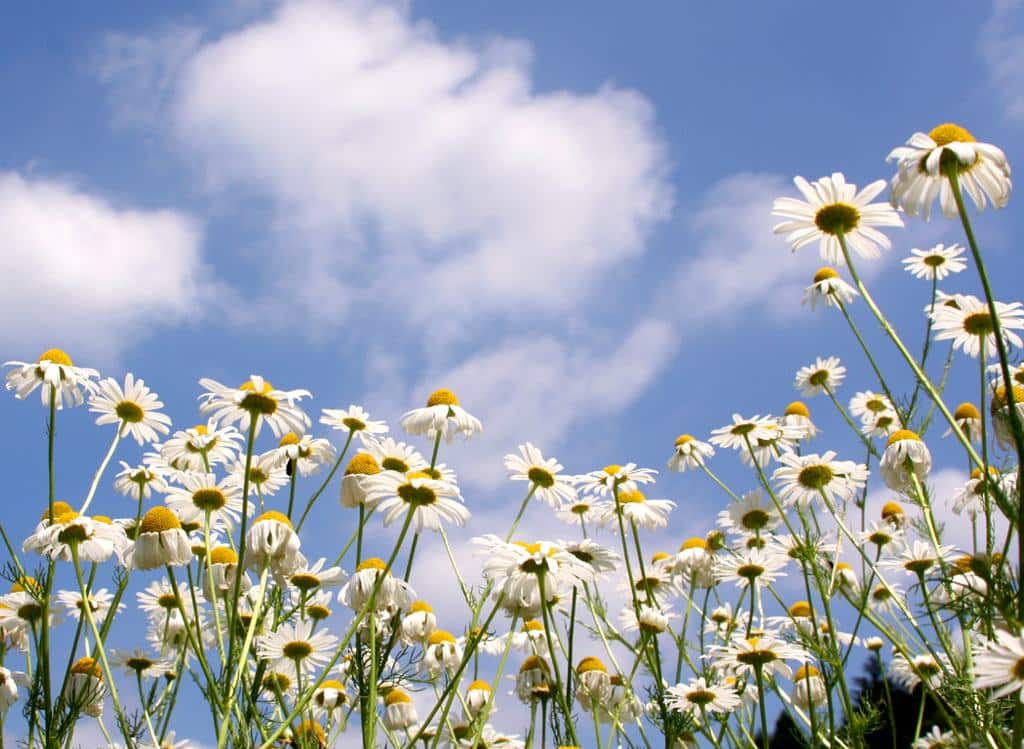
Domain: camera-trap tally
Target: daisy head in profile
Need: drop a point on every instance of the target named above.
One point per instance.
(443, 415)
(63, 381)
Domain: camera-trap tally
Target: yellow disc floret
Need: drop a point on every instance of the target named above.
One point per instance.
(966, 411)
(903, 434)
(825, 274)
(291, 438)
(223, 555)
(949, 132)
(363, 464)
(159, 519)
(682, 439)
(56, 356)
(442, 397)
(694, 543)
(590, 663)
(87, 666)
(800, 609)
(439, 636)
(418, 606)
(273, 515)
(59, 508)
(373, 563)
(797, 408)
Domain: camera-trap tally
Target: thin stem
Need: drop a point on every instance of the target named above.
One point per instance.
(325, 484)
(103, 467)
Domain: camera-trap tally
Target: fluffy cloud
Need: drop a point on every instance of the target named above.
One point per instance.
(1002, 46)
(382, 147)
(86, 275)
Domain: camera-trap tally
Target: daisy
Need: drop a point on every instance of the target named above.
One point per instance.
(823, 375)
(159, 601)
(255, 399)
(751, 514)
(937, 263)
(201, 493)
(9, 683)
(742, 655)
(937, 739)
(919, 557)
(970, 326)
(880, 425)
(543, 475)
(809, 690)
(748, 566)
(201, 447)
(442, 415)
(392, 594)
(636, 508)
(827, 286)
(689, 453)
(84, 688)
(441, 654)
(95, 541)
(296, 647)
(305, 452)
(927, 159)
(514, 569)
(139, 662)
(593, 684)
(419, 623)
(330, 695)
(138, 482)
(429, 501)
(266, 474)
(867, 404)
(653, 619)
(99, 603)
(905, 456)
(803, 479)
(968, 419)
(599, 559)
(697, 697)
(798, 417)
(399, 711)
(54, 369)
(832, 209)
(272, 542)
(223, 571)
(580, 512)
(883, 596)
(880, 534)
(758, 439)
(135, 408)
(354, 420)
(395, 456)
(314, 577)
(999, 407)
(625, 477)
(999, 663)
(478, 697)
(925, 667)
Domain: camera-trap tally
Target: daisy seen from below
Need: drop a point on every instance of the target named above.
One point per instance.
(636, 508)
(134, 407)
(54, 369)
(698, 697)
(391, 455)
(200, 447)
(937, 263)
(605, 481)
(823, 375)
(266, 474)
(750, 566)
(867, 404)
(826, 286)
(743, 655)
(999, 664)
(305, 453)
(689, 453)
(803, 479)
(970, 325)
(160, 541)
(798, 416)
(736, 435)
(752, 514)
(255, 399)
(137, 482)
(580, 512)
(429, 501)
(968, 419)
(832, 209)
(441, 416)
(906, 459)
(296, 648)
(355, 420)
(201, 493)
(926, 161)
(543, 474)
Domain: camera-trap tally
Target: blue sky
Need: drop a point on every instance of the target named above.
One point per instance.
(562, 213)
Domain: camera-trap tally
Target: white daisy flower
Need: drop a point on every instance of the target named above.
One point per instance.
(329, 696)
(134, 407)
(883, 597)
(925, 667)
(137, 482)
(591, 553)
(999, 407)
(399, 711)
(441, 654)
(834, 208)
(880, 425)
(307, 453)
(418, 623)
(267, 474)
(255, 398)
(393, 594)
(971, 497)
(767, 438)
(969, 420)
(580, 512)
(625, 477)
(824, 374)
(159, 601)
(429, 501)
(543, 475)
(395, 456)
(273, 542)
(798, 417)
(355, 420)
(443, 415)
(919, 558)
(201, 447)
(54, 369)
(982, 171)
(636, 508)
(867, 404)
(317, 576)
(84, 688)
(160, 541)
(937, 263)
(689, 453)
(99, 603)
(751, 514)
(740, 657)
(969, 323)
(697, 696)
(905, 456)
(828, 287)
(803, 479)
(999, 664)
(96, 541)
(809, 690)
(937, 739)
(747, 566)
(360, 470)
(201, 493)
(514, 568)
(653, 619)
(9, 683)
(296, 646)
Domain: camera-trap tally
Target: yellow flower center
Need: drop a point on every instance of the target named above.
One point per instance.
(541, 477)
(694, 543)
(56, 356)
(682, 439)
(23, 583)
(612, 469)
(581, 508)
(417, 496)
(632, 497)
(837, 218)
(353, 424)
(590, 663)
(87, 666)
(950, 133)
(392, 463)
(442, 397)
(209, 499)
(276, 681)
(819, 377)
(305, 581)
(999, 397)
(979, 324)
(274, 515)
(534, 625)
(815, 477)
(800, 609)
(797, 408)
(750, 571)
(419, 606)
(440, 636)
(159, 519)
(223, 555)
(934, 261)
(291, 438)
(129, 412)
(373, 563)
(903, 434)
(258, 402)
(397, 696)
(891, 510)
(363, 464)
(310, 733)
(966, 411)
(755, 520)
(700, 696)
(480, 685)
(825, 274)
(138, 663)
(297, 650)
(59, 508)
(805, 672)
(534, 663)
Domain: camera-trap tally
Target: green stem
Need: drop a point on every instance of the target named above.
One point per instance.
(325, 484)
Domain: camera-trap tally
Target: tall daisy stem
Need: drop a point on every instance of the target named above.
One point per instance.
(325, 484)
(100, 471)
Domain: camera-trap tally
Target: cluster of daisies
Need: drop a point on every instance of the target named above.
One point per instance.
(805, 575)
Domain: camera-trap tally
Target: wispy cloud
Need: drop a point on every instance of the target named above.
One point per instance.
(1001, 44)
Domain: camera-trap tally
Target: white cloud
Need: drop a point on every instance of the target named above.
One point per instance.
(1002, 46)
(86, 275)
(424, 176)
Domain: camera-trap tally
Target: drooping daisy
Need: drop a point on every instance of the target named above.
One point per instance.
(804, 479)
(797, 416)
(999, 407)
(925, 667)
(272, 542)
(418, 623)
(827, 286)
(753, 513)
(223, 570)
(355, 420)
(905, 456)
(636, 508)
(976, 493)
(809, 690)
(296, 647)
(748, 566)
(514, 568)
(160, 541)
(835, 208)
(201, 447)
(937, 263)
(257, 399)
(399, 711)
(968, 419)
(624, 477)
(9, 683)
(924, 164)
(443, 415)
(53, 369)
(999, 664)
(697, 696)
(824, 374)
(430, 502)
(689, 453)
(306, 453)
(201, 493)
(441, 654)
(84, 688)
(134, 407)
(970, 326)
(330, 695)
(593, 683)
(543, 475)
(392, 593)
(95, 541)
(653, 618)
